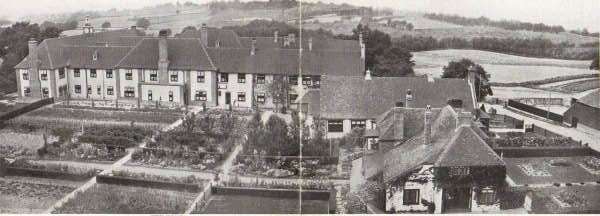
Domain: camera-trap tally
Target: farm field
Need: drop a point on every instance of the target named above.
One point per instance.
(114, 199)
(31, 195)
(577, 86)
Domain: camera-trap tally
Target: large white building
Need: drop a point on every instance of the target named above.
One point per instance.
(210, 66)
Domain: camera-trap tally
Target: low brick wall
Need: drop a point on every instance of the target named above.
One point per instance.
(14, 171)
(281, 193)
(125, 181)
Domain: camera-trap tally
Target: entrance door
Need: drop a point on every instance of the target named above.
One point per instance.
(457, 199)
(227, 98)
(574, 122)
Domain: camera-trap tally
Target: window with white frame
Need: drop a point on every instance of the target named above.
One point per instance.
(44, 75)
(25, 75)
(200, 96)
(77, 89)
(358, 124)
(260, 98)
(335, 125)
(27, 91)
(487, 196)
(241, 96)
(61, 73)
(458, 171)
(99, 90)
(171, 96)
(93, 73)
(89, 89)
(129, 92)
(76, 72)
(174, 76)
(109, 73)
(260, 79)
(45, 92)
(410, 197)
(128, 75)
(110, 90)
(149, 95)
(241, 78)
(153, 75)
(200, 77)
(224, 77)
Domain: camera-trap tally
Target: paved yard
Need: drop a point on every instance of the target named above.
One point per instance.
(547, 174)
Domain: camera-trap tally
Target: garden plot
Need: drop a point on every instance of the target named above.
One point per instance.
(13, 145)
(548, 170)
(200, 143)
(114, 199)
(567, 199)
(247, 204)
(25, 195)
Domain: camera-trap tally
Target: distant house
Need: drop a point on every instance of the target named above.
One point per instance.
(435, 160)
(351, 102)
(584, 112)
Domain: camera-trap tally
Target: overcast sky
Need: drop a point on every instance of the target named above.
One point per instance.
(572, 14)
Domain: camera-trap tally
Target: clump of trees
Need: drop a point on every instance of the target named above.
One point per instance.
(216, 6)
(266, 28)
(536, 47)
(14, 46)
(460, 69)
(106, 24)
(143, 23)
(504, 24)
(594, 65)
(276, 137)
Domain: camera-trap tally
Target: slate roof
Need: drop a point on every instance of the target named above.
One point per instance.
(226, 38)
(468, 149)
(319, 44)
(346, 97)
(410, 121)
(312, 97)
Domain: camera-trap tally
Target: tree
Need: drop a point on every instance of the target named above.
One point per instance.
(410, 26)
(143, 23)
(276, 137)
(594, 65)
(189, 28)
(394, 62)
(106, 24)
(460, 69)
(278, 91)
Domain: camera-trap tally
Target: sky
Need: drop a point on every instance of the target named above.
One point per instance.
(572, 14)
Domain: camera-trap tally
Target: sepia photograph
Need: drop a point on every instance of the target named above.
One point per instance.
(163, 107)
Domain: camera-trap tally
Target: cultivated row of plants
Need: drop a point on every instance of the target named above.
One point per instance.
(190, 179)
(114, 199)
(61, 168)
(106, 115)
(269, 184)
(534, 140)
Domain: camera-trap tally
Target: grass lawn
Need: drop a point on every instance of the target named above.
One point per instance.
(246, 204)
(114, 199)
(573, 173)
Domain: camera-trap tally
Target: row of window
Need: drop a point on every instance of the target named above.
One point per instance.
(338, 125)
(109, 90)
(170, 95)
(487, 196)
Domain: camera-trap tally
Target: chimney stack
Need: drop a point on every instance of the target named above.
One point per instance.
(368, 75)
(408, 98)
(310, 44)
(360, 38)
(292, 37)
(204, 34)
(362, 51)
(34, 65)
(464, 119)
(286, 41)
(427, 125)
(163, 55)
(276, 36)
(253, 49)
(471, 74)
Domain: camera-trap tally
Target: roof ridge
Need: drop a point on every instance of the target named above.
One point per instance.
(129, 52)
(207, 55)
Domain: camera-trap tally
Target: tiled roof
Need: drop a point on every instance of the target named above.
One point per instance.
(468, 149)
(319, 44)
(226, 38)
(183, 54)
(399, 122)
(312, 97)
(346, 97)
(82, 57)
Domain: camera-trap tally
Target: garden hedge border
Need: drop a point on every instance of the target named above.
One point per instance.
(39, 173)
(27, 108)
(270, 192)
(126, 181)
(519, 152)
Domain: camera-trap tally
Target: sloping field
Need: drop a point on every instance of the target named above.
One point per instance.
(442, 57)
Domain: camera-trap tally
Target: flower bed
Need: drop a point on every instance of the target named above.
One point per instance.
(592, 163)
(191, 179)
(306, 185)
(534, 170)
(175, 159)
(534, 140)
(13, 145)
(120, 136)
(278, 168)
(114, 199)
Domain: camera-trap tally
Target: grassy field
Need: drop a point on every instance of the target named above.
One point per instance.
(577, 86)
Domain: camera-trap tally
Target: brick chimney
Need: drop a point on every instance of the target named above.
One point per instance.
(362, 46)
(464, 119)
(276, 36)
(310, 44)
(204, 34)
(253, 49)
(427, 125)
(408, 99)
(163, 55)
(34, 67)
(286, 41)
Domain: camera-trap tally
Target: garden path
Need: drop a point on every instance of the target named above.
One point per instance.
(112, 167)
(593, 139)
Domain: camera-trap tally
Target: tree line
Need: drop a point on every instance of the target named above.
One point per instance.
(251, 5)
(536, 47)
(504, 24)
